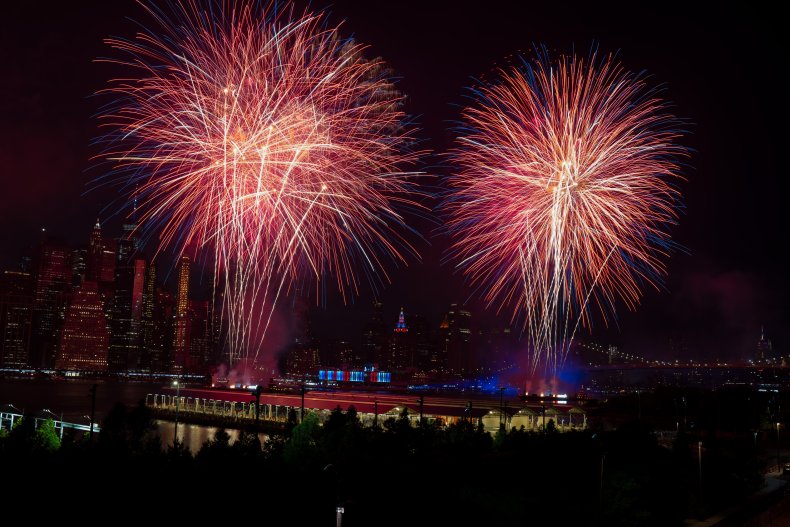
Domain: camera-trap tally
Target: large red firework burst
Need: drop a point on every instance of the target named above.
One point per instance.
(562, 194)
(266, 137)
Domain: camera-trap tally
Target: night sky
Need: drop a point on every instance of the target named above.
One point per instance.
(721, 68)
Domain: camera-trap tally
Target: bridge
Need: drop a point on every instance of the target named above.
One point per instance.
(9, 414)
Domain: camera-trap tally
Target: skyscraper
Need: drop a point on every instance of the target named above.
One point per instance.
(401, 356)
(421, 342)
(302, 358)
(161, 350)
(94, 254)
(126, 314)
(138, 288)
(129, 242)
(494, 344)
(764, 347)
(16, 315)
(101, 257)
(216, 355)
(440, 360)
(79, 266)
(199, 336)
(374, 338)
(127, 297)
(458, 341)
(343, 353)
(84, 340)
(181, 325)
(52, 285)
(148, 337)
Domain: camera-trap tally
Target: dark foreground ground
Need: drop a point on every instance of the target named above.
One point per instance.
(396, 475)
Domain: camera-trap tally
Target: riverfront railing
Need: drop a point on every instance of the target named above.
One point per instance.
(208, 410)
(8, 419)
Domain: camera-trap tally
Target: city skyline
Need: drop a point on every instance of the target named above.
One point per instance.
(282, 258)
(717, 296)
(100, 307)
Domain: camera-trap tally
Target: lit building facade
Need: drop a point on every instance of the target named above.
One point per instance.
(200, 339)
(16, 316)
(148, 339)
(458, 340)
(126, 314)
(84, 340)
(181, 323)
(163, 333)
(101, 257)
(50, 297)
(401, 349)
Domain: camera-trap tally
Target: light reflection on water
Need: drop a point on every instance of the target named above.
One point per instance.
(193, 436)
(69, 400)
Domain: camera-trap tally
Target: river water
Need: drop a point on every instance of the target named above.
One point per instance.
(70, 399)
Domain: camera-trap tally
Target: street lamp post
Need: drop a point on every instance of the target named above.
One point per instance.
(501, 406)
(699, 458)
(301, 411)
(92, 393)
(600, 490)
(257, 394)
(778, 460)
(175, 430)
(639, 405)
(685, 414)
(543, 411)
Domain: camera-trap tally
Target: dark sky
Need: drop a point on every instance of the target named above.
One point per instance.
(723, 69)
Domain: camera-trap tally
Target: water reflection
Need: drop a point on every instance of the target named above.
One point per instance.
(193, 436)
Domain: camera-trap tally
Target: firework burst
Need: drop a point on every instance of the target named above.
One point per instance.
(267, 141)
(562, 195)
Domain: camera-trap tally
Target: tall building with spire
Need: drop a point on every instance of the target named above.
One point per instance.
(127, 299)
(401, 356)
(181, 323)
(101, 257)
(439, 361)
(84, 340)
(126, 315)
(129, 242)
(764, 347)
(94, 256)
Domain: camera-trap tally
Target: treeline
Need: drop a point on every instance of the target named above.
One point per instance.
(398, 474)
